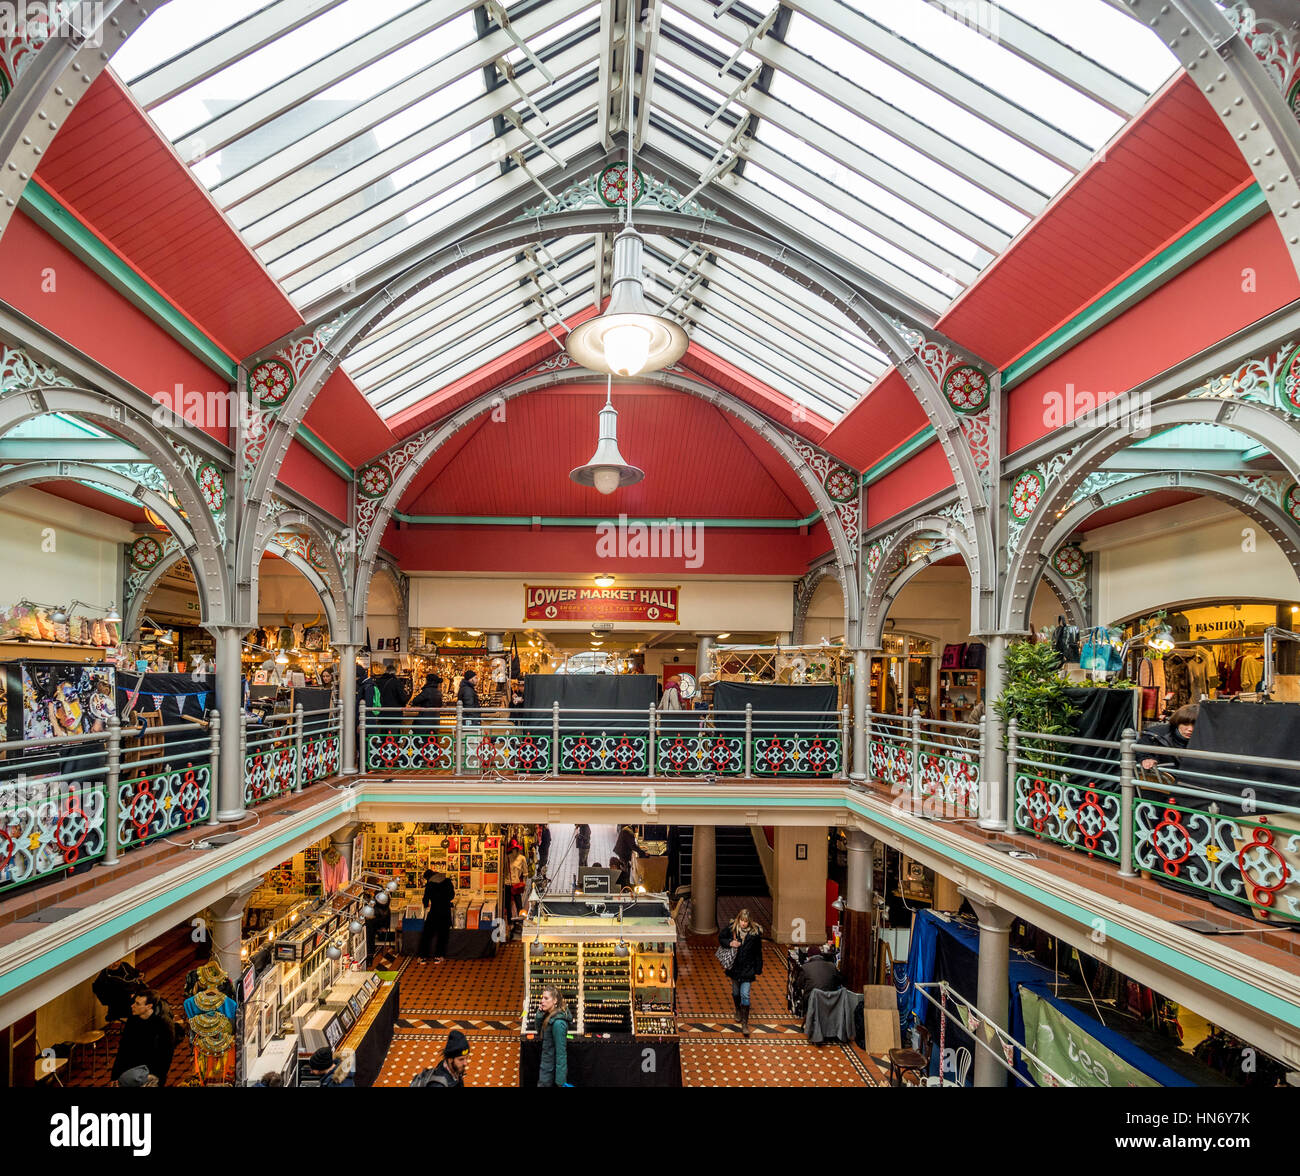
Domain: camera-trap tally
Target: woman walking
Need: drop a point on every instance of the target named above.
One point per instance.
(745, 937)
(439, 898)
(553, 1031)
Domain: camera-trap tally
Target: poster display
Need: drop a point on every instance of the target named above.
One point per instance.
(48, 699)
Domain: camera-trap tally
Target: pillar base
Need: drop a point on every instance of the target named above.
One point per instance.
(232, 815)
(994, 826)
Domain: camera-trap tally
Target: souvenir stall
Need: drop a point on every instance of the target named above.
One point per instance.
(304, 987)
(288, 654)
(795, 665)
(29, 629)
(472, 856)
(612, 958)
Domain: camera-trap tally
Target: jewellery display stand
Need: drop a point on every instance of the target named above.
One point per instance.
(573, 943)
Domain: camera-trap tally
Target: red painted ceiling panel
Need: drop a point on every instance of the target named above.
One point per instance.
(1169, 169)
(1135, 507)
(304, 472)
(94, 500)
(696, 464)
(92, 316)
(119, 176)
(886, 417)
(917, 478)
(1203, 304)
(344, 419)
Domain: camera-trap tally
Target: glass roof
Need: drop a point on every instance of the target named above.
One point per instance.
(911, 140)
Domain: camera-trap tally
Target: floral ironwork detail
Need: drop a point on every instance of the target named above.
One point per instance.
(151, 806)
(20, 372)
(47, 826)
(1277, 48)
(590, 193)
(613, 185)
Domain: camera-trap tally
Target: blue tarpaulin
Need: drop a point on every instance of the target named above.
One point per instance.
(948, 949)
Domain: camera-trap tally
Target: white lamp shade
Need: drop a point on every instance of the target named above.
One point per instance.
(629, 338)
(607, 479)
(607, 470)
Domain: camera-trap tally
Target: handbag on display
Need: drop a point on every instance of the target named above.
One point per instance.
(726, 957)
(514, 657)
(952, 657)
(973, 656)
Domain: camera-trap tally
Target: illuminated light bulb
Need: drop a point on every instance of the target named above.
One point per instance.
(605, 580)
(627, 348)
(606, 479)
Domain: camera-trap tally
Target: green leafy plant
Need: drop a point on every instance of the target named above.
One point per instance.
(1035, 696)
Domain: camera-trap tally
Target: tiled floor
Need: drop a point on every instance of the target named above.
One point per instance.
(483, 999)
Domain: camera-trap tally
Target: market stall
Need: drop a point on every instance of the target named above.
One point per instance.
(613, 961)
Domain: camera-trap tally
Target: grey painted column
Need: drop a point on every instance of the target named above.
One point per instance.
(859, 883)
(993, 771)
(861, 699)
(226, 927)
(348, 700)
(342, 841)
(230, 701)
(704, 881)
(702, 656)
(993, 987)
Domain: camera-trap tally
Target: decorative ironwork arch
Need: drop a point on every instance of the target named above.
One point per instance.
(400, 466)
(321, 351)
(806, 589)
(318, 561)
(1054, 492)
(1274, 517)
(890, 569)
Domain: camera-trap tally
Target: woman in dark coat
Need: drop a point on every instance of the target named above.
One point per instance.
(1167, 742)
(439, 898)
(746, 937)
(430, 699)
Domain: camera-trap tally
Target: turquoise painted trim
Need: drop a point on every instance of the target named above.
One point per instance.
(325, 453)
(540, 521)
(1234, 216)
(62, 224)
(899, 455)
(128, 919)
(913, 831)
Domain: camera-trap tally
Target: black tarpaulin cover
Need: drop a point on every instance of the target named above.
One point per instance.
(766, 697)
(1269, 729)
(583, 696)
(1102, 714)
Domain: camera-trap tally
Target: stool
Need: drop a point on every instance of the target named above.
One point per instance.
(91, 1038)
(910, 1061)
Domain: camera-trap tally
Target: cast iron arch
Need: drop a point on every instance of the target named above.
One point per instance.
(884, 588)
(511, 237)
(368, 549)
(806, 589)
(329, 582)
(22, 404)
(1284, 530)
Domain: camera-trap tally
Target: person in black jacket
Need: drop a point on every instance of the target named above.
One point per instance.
(148, 1038)
(439, 898)
(746, 937)
(430, 699)
(1168, 740)
(582, 839)
(115, 987)
(449, 1073)
(467, 696)
(624, 851)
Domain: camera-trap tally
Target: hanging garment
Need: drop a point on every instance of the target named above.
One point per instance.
(211, 1015)
(1177, 680)
(830, 1015)
(334, 873)
(1203, 672)
(1252, 671)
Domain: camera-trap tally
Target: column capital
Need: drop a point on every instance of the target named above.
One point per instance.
(991, 917)
(346, 833)
(232, 904)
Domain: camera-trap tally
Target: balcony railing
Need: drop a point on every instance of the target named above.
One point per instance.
(289, 751)
(937, 764)
(1218, 824)
(606, 742)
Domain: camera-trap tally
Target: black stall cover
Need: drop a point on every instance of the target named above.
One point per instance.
(1267, 729)
(583, 696)
(813, 700)
(1102, 714)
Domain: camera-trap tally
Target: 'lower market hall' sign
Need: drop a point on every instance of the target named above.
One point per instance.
(558, 602)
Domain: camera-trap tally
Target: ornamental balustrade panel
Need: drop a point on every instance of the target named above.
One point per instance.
(48, 824)
(890, 759)
(949, 780)
(605, 753)
(1085, 816)
(321, 756)
(270, 768)
(699, 753)
(797, 753)
(151, 806)
(1214, 853)
(507, 750)
(411, 750)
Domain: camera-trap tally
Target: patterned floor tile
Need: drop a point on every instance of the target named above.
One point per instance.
(769, 1062)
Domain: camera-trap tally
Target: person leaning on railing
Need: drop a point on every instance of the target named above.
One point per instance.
(1167, 739)
(428, 699)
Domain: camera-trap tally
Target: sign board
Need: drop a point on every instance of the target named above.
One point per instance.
(582, 602)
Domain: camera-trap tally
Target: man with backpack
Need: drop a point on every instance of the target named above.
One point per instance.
(449, 1073)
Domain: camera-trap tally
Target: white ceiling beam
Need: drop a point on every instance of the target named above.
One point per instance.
(606, 91)
(473, 58)
(304, 84)
(210, 57)
(885, 46)
(649, 56)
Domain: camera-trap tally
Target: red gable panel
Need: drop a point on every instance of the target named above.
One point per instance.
(881, 421)
(917, 478)
(112, 167)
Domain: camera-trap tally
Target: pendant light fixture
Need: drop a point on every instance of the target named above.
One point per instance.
(607, 470)
(629, 338)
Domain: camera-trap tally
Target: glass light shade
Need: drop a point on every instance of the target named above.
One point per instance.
(355, 926)
(1162, 639)
(281, 659)
(333, 952)
(367, 911)
(113, 618)
(381, 897)
(607, 479)
(604, 580)
(627, 346)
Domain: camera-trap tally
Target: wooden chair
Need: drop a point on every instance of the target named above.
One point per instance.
(914, 1062)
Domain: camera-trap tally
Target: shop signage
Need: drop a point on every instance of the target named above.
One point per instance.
(560, 602)
(1070, 1051)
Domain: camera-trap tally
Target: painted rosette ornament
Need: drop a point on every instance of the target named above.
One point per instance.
(613, 185)
(967, 389)
(271, 381)
(374, 481)
(840, 484)
(873, 558)
(1286, 383)
(212, 485)
(1026, 493)
(5, 85)
(145, 552)
(1291, 501)
(1068, 561)
(316, 556)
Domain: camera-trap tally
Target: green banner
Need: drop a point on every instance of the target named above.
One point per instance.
(1075, 1055)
